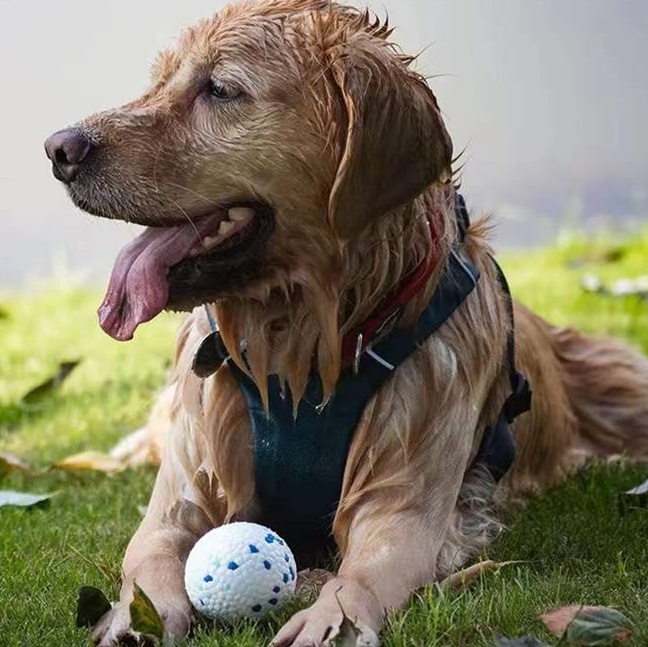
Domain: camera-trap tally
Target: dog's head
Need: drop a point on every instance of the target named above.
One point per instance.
(271, 137)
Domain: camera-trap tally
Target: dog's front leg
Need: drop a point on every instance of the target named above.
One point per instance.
(386, 562)
(160, 574)
(155, 560)
(392, 548)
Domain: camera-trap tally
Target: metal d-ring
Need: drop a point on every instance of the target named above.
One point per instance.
(319, 409)
(358, 354)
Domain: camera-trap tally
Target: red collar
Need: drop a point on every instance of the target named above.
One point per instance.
(357, 340)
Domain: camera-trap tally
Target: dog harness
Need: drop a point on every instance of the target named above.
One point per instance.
(300, 459)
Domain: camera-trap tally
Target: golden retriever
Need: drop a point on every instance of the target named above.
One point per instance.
(292, 169)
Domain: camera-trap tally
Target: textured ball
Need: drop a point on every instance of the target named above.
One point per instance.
(240, 570)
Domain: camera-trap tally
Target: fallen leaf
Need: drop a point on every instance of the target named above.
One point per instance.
(51, 384)
(595, 626)
(11, 463)
(557, 620)
(23, 499)
(89, 461)
(310, 583)
(588, 626)
(144, 616)
(634, 499)
(527, 641)
(639, 490)
(92, 604)
(461, 579)
(350, 634)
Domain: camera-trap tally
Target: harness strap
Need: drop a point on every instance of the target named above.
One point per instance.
(520, 399)
(300, 460)
(497, 450)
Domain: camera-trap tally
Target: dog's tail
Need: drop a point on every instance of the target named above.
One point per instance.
(607, 385)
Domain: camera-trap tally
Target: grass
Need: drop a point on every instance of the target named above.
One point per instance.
(573, 544)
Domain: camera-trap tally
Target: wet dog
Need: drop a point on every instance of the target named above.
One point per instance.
(293, 172)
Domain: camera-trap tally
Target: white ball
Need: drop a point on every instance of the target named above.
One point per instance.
(240, 570)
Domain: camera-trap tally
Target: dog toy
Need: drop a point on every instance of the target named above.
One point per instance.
(240, 570)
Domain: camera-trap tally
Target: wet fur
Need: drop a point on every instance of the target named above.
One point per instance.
(349, 228)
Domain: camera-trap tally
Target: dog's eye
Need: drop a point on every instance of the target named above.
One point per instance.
(223, 91)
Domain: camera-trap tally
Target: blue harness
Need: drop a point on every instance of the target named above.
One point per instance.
(300, 460)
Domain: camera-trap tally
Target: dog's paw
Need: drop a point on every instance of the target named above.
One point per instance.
(323, 625)
(114, 628)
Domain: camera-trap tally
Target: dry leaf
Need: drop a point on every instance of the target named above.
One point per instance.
(23, 499)
(634, 499)
(557, 620)
(51, 384)
(144, 616)
(639, 490)
(638, 496)
(350, 634)
(89, 461)
(526, 641)
(310, 583)
(595, 626)
(11, 463)
(92, 604)
(588, 626)
(461, 579)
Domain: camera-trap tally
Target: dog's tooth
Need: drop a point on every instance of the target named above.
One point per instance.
(238, 214)
(210, 241)
(225, 227)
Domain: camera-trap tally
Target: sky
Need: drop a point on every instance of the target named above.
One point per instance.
(549, 99)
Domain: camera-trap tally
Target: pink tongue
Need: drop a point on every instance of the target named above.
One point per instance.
(138, 288)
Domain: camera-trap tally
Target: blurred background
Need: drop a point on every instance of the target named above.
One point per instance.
(548, 98)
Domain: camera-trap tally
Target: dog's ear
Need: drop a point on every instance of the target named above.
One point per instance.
(396, 142)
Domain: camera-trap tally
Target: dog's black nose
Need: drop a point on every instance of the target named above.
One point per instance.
(67, 149)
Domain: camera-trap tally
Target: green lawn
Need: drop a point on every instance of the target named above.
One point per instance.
(573, 544)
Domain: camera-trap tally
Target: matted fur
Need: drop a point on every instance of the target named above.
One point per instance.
(347, 144)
